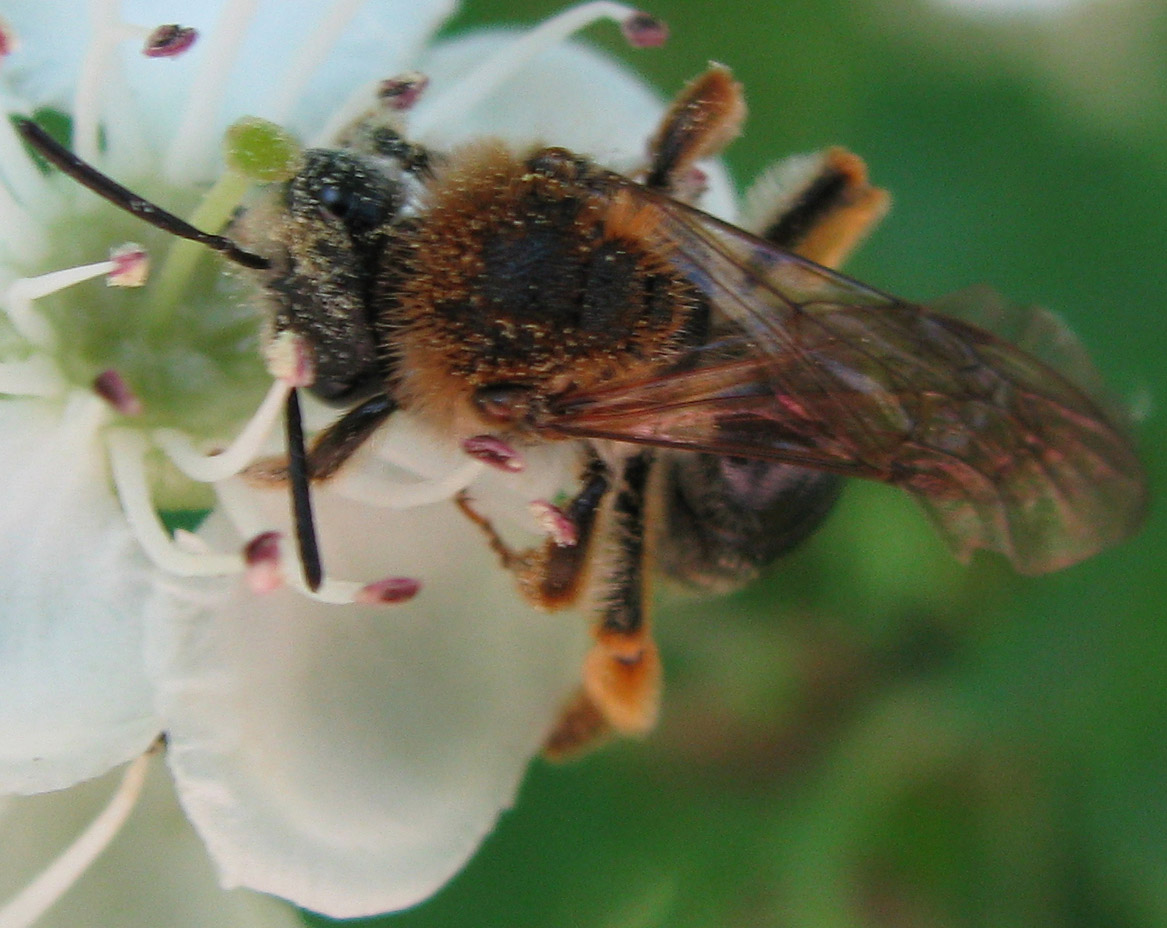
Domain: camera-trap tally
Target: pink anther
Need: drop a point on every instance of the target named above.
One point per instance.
(403, 91)
(556, 523)
(131, 266)
(390, 591)
(643, 30)
(261, 555)
(169, 41)
(112, 387)
(493, 451)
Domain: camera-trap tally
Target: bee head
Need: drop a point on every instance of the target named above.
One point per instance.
(324, 232)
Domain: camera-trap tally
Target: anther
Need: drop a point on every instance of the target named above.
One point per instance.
(403, 91)
(289, 358)
(169, 41)
(131, 266)
(493, 451)
(261, 556)
(8, 41)
(112, 387)
(556, 523)
(643, 30)
(390, 591)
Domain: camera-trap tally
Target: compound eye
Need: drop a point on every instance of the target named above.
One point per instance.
(357, 212)
(336, 202)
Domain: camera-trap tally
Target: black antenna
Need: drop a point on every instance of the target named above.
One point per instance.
(298, 480)
(108, 189)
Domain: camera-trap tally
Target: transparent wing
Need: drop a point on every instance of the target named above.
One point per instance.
(819, 370)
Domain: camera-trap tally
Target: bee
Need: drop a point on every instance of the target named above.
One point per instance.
(718, 384)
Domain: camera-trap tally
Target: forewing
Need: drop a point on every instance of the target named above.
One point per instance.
(819, 370)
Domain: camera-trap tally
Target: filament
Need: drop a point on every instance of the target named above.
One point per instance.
(310, 56)
(127, 455)
(87, 98)
(235, 502)
(34, 376)
(363, 486)
(197, 134)
(452, 106)
(23, 291)
(58, 877)
(210, 468)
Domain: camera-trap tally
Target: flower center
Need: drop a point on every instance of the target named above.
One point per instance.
(186, 343)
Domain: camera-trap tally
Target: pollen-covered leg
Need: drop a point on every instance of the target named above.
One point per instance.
(622, 674)
(622, 678)
(819, 206)
(553, 576)
(704, 118)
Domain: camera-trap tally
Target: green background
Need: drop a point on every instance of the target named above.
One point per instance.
(875, 735)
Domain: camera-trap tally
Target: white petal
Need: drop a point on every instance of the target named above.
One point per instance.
(379, 40)
(155, 872)
(351, 759)
(74, 699)
(571, 95)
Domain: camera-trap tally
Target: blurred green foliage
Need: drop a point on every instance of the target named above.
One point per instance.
(874, 734)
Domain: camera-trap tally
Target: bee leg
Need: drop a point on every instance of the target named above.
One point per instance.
(622, 671)
(581, 726)
(704, 118)
(552, 576)
(819, 206)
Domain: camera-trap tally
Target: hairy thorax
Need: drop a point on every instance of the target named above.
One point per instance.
(532, 275)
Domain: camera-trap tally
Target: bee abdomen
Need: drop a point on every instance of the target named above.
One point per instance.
(727, 518)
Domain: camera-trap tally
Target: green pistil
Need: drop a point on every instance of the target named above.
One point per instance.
(256, 151)
(182, 257)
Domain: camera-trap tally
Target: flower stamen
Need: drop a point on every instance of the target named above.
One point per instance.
(107, 33)
(262, 557)
(211, 468)
(494, 452)
(169, 41)
(34, 376)
(402, 92)
(450, 108)
(308, 59)
(27, 906)
(9, 42)
(112, 387)
(387, 592)
(131, 266)
(363, 485)
(289, 358)
(21, 293)
(556, 523)
(127, 456)
(194, 142)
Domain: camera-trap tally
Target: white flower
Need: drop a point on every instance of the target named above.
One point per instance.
(347, 758)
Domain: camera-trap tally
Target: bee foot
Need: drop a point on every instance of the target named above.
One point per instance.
(625, 686)
(581, 727)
